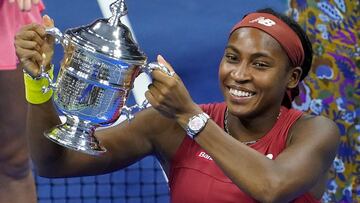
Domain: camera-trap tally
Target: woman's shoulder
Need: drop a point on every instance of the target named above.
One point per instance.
(314, 127)
(316, 121)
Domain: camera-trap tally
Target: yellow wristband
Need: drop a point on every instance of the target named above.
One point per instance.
(33, 88)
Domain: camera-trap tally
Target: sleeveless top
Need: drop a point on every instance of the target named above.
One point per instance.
(195, 177)
(11, 19)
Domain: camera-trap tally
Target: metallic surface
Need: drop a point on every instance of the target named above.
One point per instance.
(100, 63)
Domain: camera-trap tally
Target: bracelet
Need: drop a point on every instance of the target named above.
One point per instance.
(34, 85)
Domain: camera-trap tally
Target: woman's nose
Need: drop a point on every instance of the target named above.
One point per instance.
(241, 73)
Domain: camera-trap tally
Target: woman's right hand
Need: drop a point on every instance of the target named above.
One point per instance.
(34, 47)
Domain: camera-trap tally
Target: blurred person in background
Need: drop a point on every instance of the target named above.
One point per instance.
(16, 180)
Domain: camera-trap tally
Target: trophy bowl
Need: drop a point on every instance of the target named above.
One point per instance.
(101, 61)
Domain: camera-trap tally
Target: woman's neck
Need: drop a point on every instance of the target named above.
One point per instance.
(250, 129)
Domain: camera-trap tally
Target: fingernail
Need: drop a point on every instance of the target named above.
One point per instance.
(160, 57)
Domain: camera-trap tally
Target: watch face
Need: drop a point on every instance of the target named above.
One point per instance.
(196, 124)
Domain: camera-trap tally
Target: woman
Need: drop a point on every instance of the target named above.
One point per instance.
(16, 179)
(253, 147)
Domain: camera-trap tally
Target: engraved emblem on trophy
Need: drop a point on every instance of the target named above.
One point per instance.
(100, 63)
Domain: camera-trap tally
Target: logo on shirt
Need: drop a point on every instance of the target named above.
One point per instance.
(208, 157)
(205, 156)
(270, 156)
(263, 21)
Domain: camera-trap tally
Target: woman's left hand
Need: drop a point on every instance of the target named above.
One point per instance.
(168, 94)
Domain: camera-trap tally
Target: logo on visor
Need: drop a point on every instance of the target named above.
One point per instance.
(263, 21)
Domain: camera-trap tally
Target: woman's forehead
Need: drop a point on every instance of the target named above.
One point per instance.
(247, 38)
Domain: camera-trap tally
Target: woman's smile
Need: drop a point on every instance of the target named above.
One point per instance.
(240, 95)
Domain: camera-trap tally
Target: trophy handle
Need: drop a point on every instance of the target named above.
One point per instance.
(148, 69)
(52, 85)
(57, 34)
(128, 111)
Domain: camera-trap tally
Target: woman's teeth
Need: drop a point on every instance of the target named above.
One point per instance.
(240, 93)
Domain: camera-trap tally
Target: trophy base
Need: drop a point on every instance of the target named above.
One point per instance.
(76, 135)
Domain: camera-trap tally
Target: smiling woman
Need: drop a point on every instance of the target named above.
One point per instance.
(251, 147)
(259, 71)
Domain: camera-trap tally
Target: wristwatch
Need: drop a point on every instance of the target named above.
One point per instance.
(196, 124)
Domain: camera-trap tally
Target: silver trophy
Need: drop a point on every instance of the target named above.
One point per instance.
(101, 61)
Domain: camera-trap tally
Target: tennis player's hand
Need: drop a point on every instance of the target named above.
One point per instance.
(168, 94)
(25, 5)
(34, 47)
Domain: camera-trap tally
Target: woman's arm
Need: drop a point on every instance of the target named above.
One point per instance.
(294, 172)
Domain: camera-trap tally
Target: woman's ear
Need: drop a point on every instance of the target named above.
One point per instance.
(294, 79)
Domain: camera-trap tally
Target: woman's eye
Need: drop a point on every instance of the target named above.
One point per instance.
(260, 65)
(230, 57)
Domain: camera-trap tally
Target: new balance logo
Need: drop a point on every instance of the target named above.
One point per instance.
(204, 155)
(263, 21)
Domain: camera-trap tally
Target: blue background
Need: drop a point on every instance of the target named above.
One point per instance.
(191, 35)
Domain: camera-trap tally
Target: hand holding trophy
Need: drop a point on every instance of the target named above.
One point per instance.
(100, 64)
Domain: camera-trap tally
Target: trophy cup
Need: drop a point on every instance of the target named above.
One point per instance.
(101, 61)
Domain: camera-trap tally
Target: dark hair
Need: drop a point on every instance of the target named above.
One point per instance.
(308, 51)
